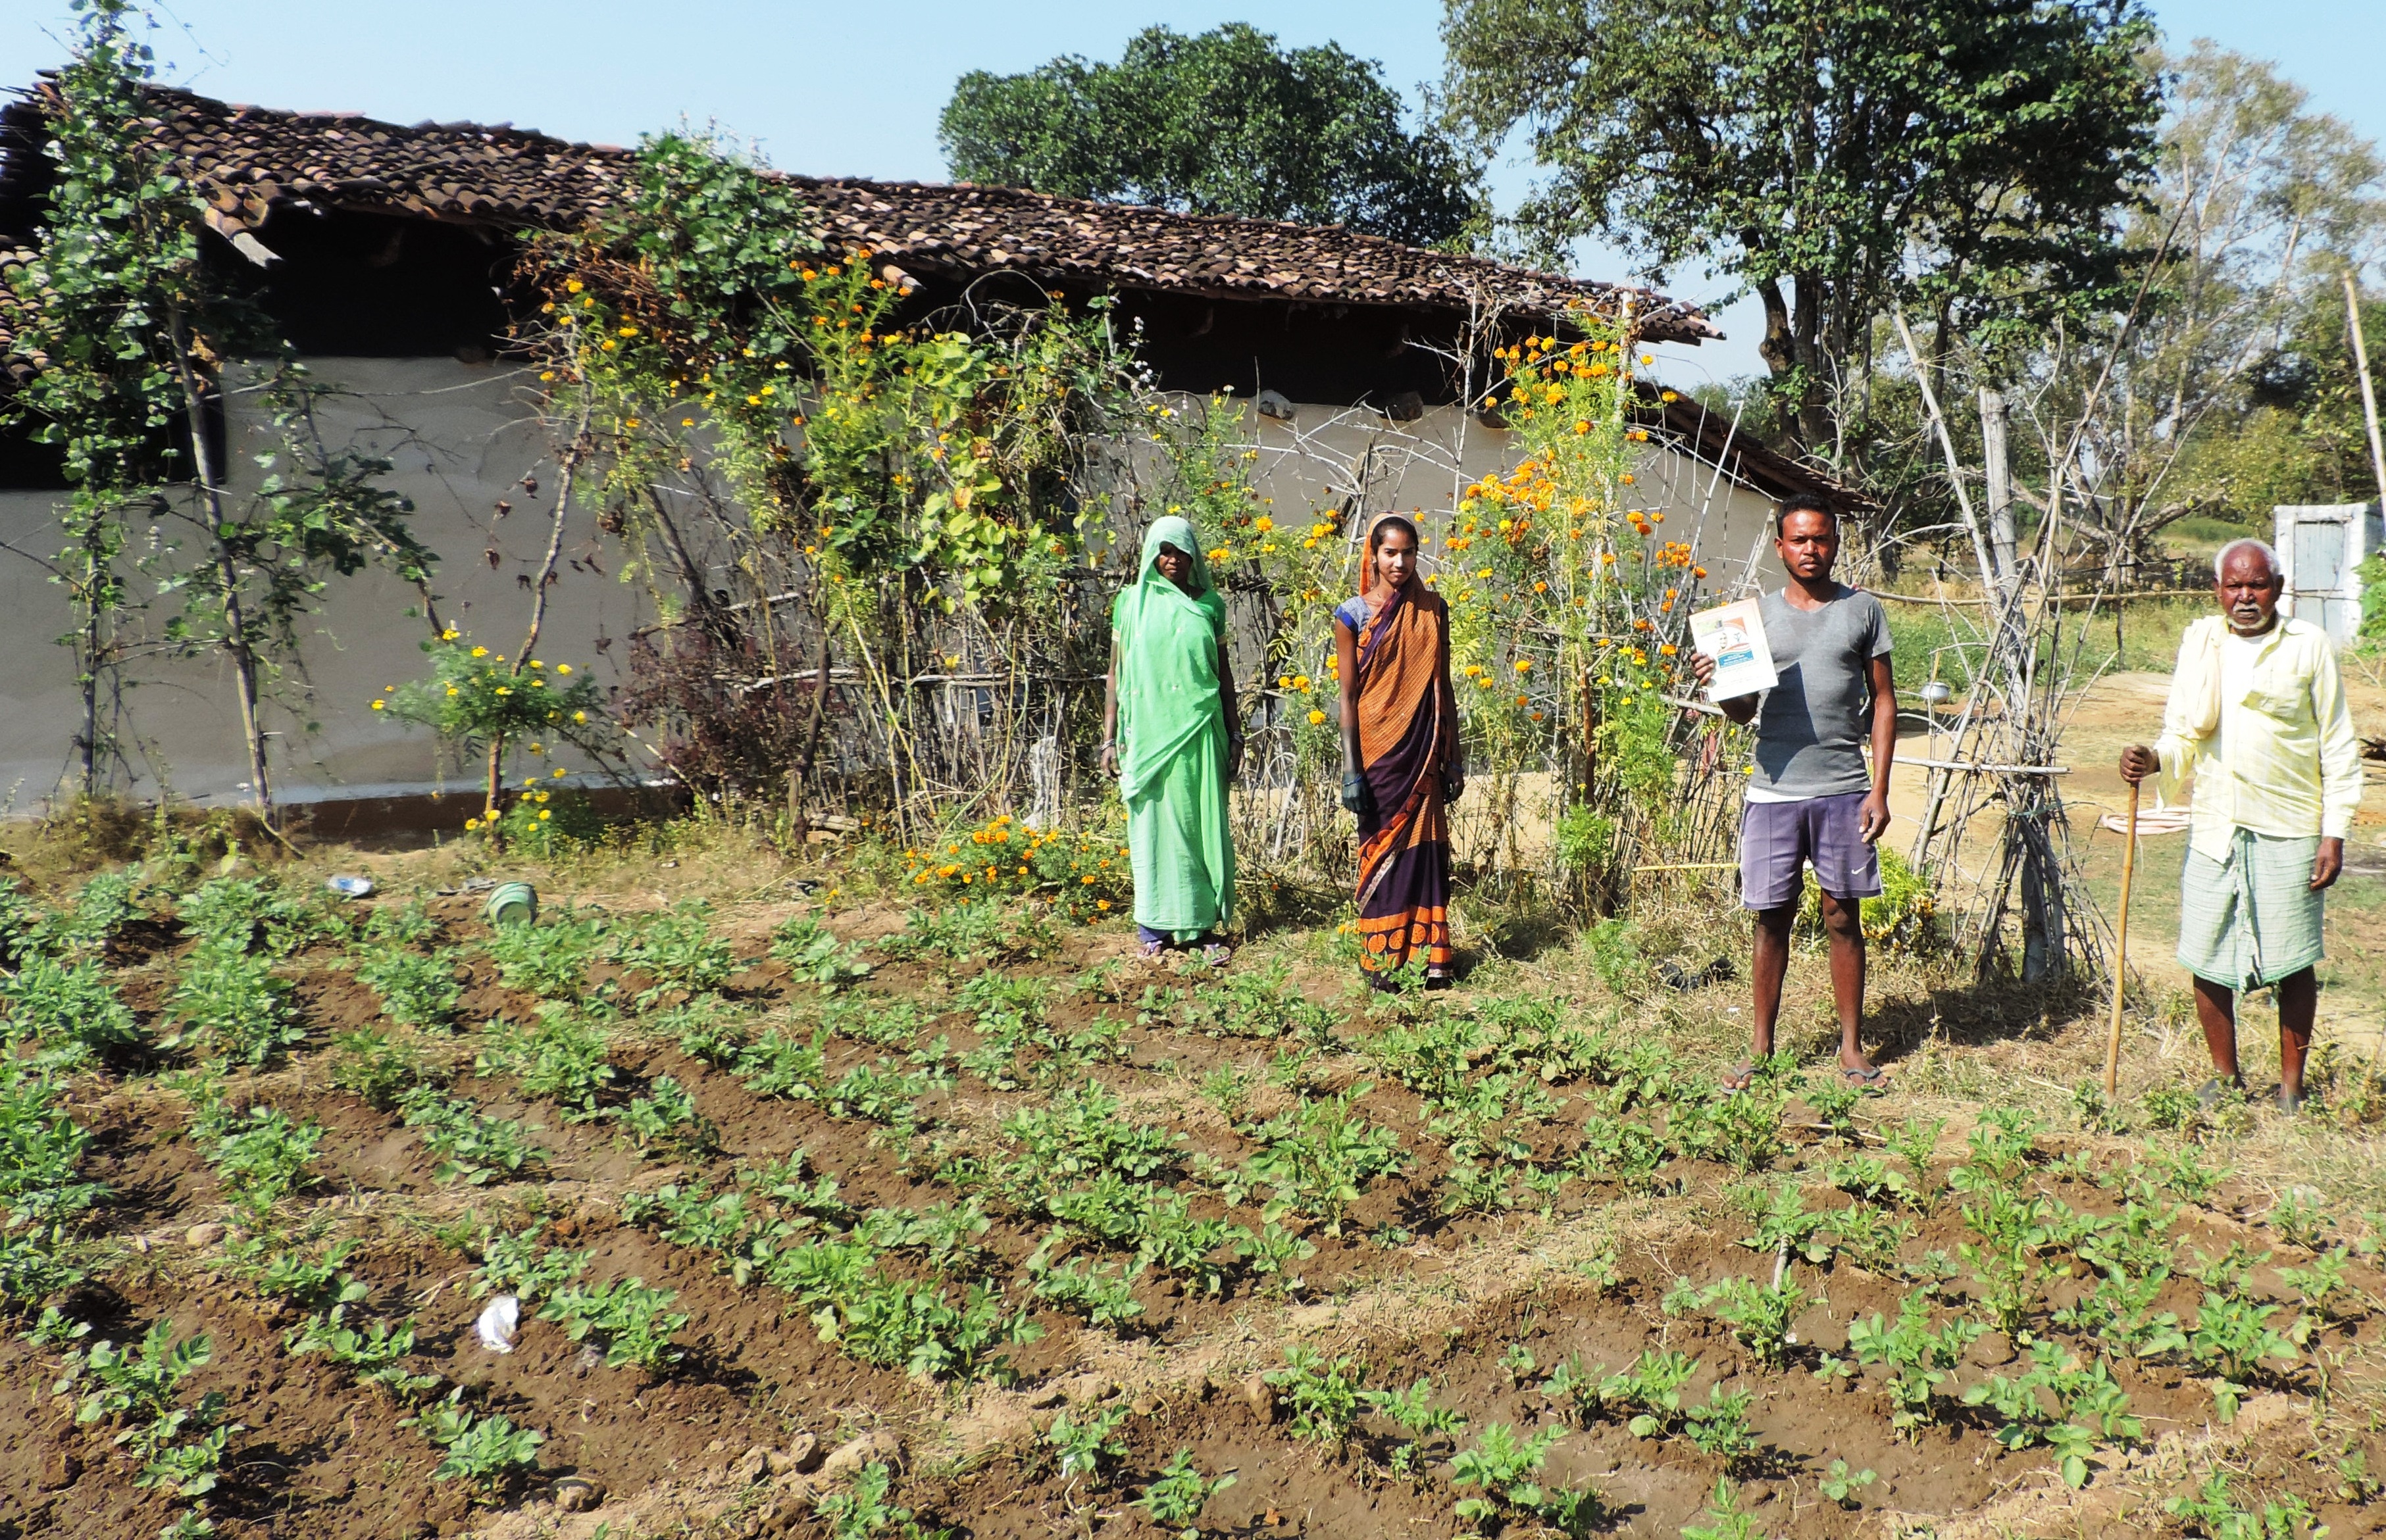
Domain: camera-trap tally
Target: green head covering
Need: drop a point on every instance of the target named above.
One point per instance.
(1168, 658)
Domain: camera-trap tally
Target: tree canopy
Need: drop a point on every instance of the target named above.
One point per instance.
(1226, 122)
(1968, 158)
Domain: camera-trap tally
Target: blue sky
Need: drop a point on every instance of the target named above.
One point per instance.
(854, 88)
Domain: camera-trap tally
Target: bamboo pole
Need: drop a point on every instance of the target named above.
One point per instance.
(2121, 954)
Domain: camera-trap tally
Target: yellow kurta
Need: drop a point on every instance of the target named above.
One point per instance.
(2281, 760)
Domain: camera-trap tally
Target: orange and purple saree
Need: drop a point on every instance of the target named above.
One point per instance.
(1408, 729)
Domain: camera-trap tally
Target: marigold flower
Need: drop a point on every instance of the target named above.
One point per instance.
(1316, 718)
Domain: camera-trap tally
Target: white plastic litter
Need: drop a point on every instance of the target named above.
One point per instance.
(497, 1323)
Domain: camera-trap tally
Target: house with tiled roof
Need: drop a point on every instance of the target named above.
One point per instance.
(387, 254)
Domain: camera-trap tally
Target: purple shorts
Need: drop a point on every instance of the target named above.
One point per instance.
(1778, 840)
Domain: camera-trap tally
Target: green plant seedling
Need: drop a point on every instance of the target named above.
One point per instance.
(482, 1448)
(1728, 1522)
(865, 1510)
(634, 1321)
(265, 1158)
(1087, 1447)
(415, 991)
(1720, 1426)
(1761, 1316)
(1501, 1469)
(1178, 1494)
(680, 952)
(812, 954)
(1325, 1398)
(1841, 1485)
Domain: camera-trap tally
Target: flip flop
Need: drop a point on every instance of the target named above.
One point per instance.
(1737, 1080)
(1217, 954)
(1154, 950)
(1869, 1077)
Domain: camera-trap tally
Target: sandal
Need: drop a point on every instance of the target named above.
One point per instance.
(1739, 1079)
(1154, 950)
(1436, 978)
(1865, 1077)
(1217, 954)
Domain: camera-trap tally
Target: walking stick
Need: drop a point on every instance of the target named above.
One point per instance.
(2121, 954)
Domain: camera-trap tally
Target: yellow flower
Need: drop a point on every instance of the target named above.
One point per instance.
(629, 331)
(563, 668)
(1087, 879)
(543, 815)
(480, 652)
(1524, 665)
(378, 705)
(578, 717)
(448, 635)
(1316, 718)
(1264, 523)
(471, 823)
(502, 691)
(451, 691)
(1101, 903)
(573, 286)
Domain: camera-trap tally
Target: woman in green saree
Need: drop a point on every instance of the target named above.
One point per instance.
(1170, 734)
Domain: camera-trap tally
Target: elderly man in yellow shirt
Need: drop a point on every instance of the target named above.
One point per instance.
(2257, 716)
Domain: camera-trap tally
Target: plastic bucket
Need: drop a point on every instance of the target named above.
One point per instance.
(513, 904)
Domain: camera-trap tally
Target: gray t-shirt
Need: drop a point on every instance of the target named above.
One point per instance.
(1812, 726)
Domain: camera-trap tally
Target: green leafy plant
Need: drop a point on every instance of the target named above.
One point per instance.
(986, 930)
(264, 1157)
(1728, 1522)
(375, 1355)
(2215, 1512)
(41, 1153)
(1918, 1357)
(519, 1265)
(1104, 1296)
(181, 1444)
(1178, 1493)
(1325, 1398)
(239, 913)
(635, 1323)
(233, 1001)
(1761, 1316)
(666, 1119)
(1319, 1158)
(863, 1510)
(1841, 1485)
(811, 953)
(66, 1007)
(563, 1057)
(2232, 1337)
(375, 1067)
(483, 1448)
(681, 951)
(414, 990)
(1501, 1468)
(549, 959)
(1414, 1411)
(466, 1145)
(1720, 1425)
(1086, 1446)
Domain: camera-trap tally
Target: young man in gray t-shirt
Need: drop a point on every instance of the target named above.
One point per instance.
(1811, 799)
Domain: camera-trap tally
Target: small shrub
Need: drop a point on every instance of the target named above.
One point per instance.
(1324, 1399)
(1087, 1447)
(988, 929)
(1083, 875)
(1501, 1469)
(265, 1158)
(812, 954)
(549, 960)
(65, 1005)
(1320, 1157)
(376, 1067)
(665, 1118)
(239, 913)
(234, 1002)
(863, 1512)
(563, 1059)
(415, 991)
(518, 1265)
(681, 952)
(373, 1355)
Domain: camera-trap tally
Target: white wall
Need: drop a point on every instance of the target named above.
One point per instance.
(462, 437)
(461, 440)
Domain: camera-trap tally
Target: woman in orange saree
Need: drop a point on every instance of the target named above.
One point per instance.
(1402, 763)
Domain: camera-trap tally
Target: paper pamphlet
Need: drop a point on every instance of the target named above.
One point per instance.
(1733, 635)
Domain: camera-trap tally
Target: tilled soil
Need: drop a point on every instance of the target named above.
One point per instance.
(1486, 1307)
